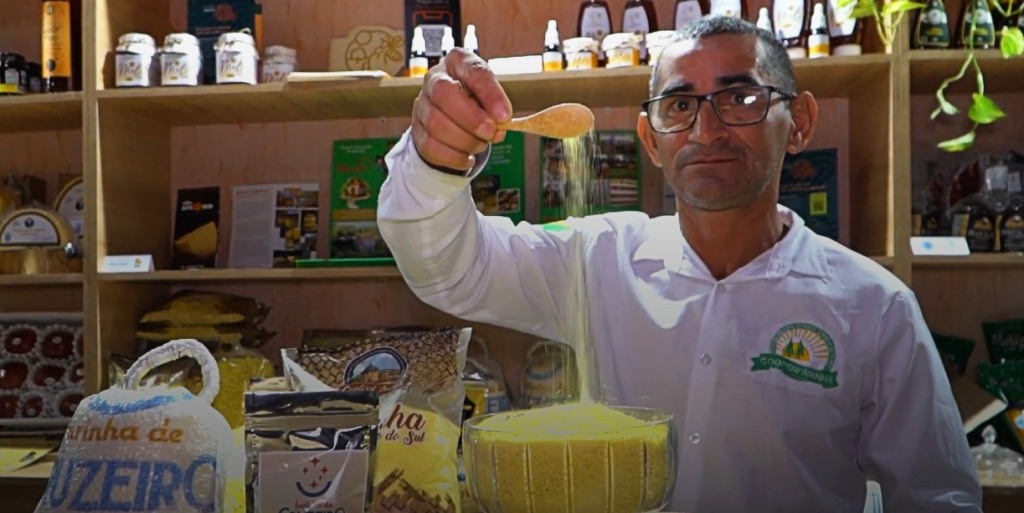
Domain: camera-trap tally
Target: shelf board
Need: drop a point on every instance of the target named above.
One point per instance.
(41, 112)
(19, 280)
(393, 97)
(884, 261)
(981, 260)
(929, 68)
(216, 275)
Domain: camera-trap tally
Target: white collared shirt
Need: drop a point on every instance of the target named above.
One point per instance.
(792, 381)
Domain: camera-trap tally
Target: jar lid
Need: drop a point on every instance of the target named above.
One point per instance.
(660, 38)
(282, 51)
(11, 56)
(579, 44)
(622, 40)
(228, 38)
(180, 38)
(133, 38)
(137, 43)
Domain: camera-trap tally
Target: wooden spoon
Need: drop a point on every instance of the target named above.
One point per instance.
(562, 121)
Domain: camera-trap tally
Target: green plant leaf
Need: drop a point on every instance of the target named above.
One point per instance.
(984, 111)
(846, 3)
(899, 6)
(1012, 43)
(958, 143)
(944, 107)
(864, 8)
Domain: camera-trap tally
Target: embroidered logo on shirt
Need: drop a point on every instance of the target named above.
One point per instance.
(803, 352)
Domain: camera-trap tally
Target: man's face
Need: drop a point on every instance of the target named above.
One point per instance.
(713, 166)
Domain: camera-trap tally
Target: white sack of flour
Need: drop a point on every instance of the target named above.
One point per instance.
(156, 450)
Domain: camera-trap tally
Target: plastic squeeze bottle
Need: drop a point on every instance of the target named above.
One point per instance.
(818, 42)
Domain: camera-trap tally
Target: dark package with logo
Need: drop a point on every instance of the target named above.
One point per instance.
(309, 451)
(418, 376)
(196, 224)
(1005, 340)
(208, 19)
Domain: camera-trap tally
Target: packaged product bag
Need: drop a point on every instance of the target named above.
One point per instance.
(156, 450)
(419, 378)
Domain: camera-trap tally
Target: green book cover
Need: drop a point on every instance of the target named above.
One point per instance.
(358, 172)
(615, 171)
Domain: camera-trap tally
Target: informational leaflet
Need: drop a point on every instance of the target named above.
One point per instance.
(273, 225)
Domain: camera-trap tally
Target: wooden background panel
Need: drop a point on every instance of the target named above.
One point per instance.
(21, 28)
(50, 156)
(998, 137)
(956, 302)
(41, 298)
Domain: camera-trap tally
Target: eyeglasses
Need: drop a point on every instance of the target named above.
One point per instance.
(735, 106)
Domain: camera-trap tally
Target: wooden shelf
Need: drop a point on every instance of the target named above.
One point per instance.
(982, 260)
(884, 261)
(41, 112)
(217, 275)
(393, 97)
(18, 280)
(929, 68)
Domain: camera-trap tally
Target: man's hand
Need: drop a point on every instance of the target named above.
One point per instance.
(457, 111)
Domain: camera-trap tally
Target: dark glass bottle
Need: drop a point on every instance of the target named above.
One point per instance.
(932, 30)
(984, 30)
(595, 21)
(639, 17)
(62, 45)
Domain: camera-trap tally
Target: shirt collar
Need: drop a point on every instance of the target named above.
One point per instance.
(799, 251)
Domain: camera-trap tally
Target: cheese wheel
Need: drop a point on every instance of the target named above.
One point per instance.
(70, 203)
(35, 226)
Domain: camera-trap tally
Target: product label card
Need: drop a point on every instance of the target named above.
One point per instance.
(313, 481)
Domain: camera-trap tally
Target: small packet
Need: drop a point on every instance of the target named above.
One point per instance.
(1006, 381)
(309, 451)
(1005, 340)
(954, 351)
(418, 376)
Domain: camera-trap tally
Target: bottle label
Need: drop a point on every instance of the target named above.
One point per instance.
(277, 71)
(56, 39)
(179, 69)
(552, 61)
(841, 22)
(687, 13)
(732, 8)
(236, 67)
(1013, 234)
(933, 27)
(133, 70)
(817, 46)
(984, 28)
(635, 20)
(595, 23)
(418, 66)
(981, 235)
(788, 18)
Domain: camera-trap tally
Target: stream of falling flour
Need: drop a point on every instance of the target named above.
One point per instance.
(579, 167)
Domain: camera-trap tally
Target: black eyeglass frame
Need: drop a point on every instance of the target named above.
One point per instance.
(701, 98)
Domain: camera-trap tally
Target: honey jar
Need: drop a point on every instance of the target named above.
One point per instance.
(622, 49)
(580, 53)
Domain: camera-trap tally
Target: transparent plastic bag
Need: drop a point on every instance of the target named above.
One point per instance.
(147, 450)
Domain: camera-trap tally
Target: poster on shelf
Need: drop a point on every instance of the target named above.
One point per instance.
(196, 228)
(615, 173)
(273, 225)
(359, 171)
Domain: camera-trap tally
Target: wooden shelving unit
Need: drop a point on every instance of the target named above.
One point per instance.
(137, 147)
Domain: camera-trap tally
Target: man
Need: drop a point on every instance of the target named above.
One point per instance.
(796, 369)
